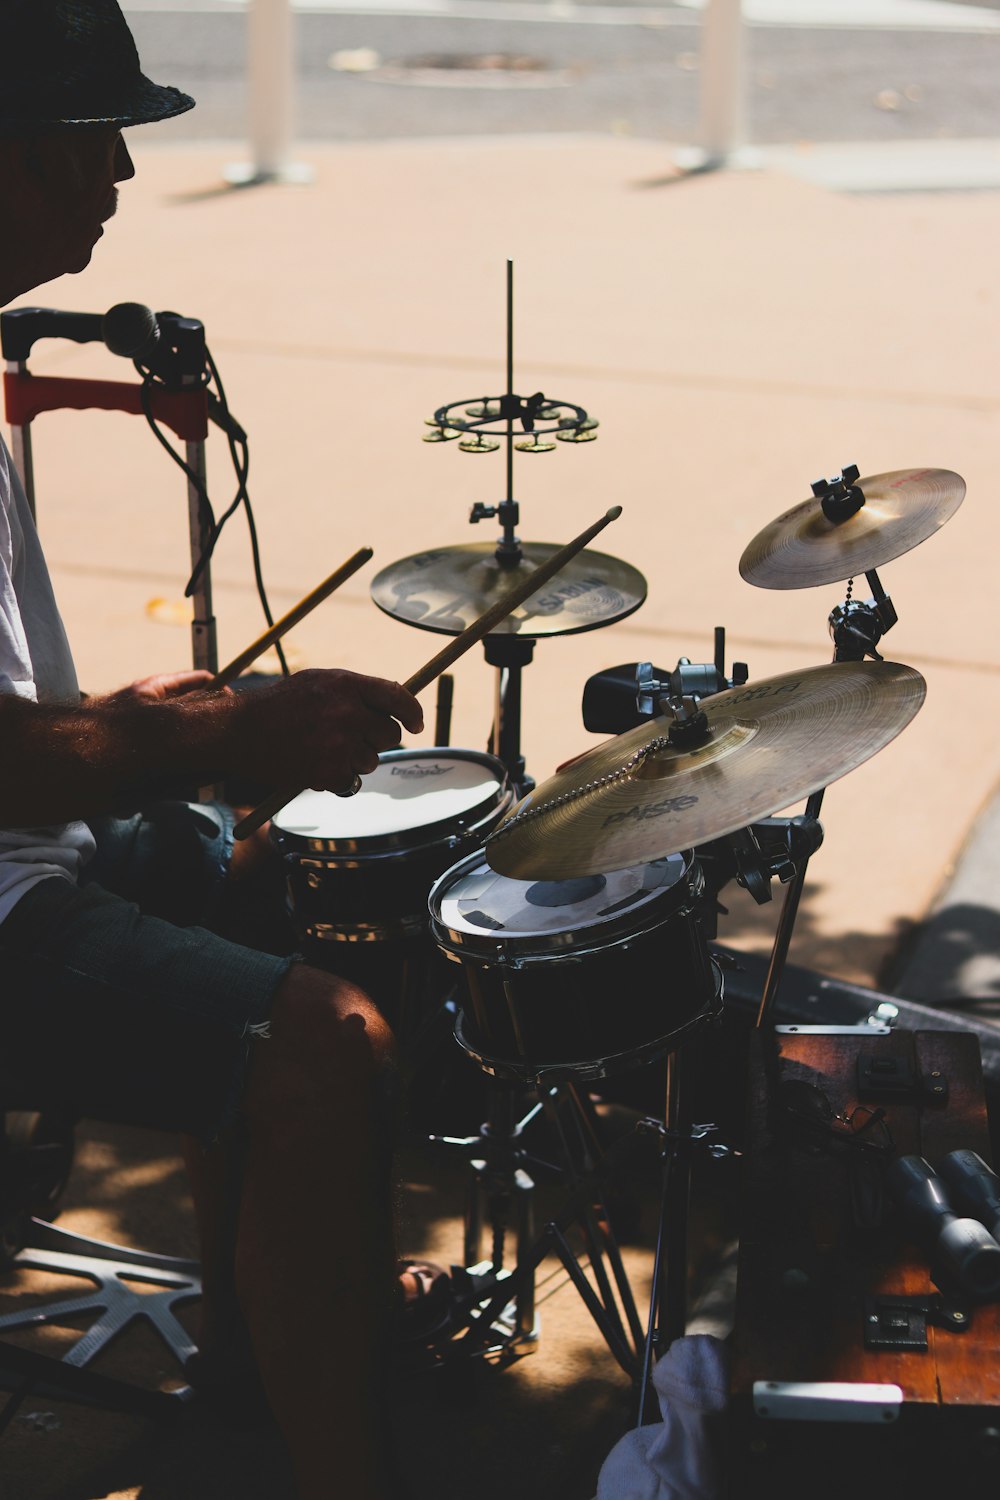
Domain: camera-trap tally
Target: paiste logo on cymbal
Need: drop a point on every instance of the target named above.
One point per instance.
(654, 810)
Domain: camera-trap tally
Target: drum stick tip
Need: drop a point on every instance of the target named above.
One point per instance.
(613, 513)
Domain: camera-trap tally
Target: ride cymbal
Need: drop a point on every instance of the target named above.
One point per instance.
(638, 797)
(803, 548)
(446, 589)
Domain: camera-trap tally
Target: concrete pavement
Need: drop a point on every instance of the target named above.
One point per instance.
(736, 335)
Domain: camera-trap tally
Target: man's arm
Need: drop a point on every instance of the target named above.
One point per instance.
(318, 728)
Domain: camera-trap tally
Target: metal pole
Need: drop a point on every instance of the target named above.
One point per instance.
(204, 650)
(271, 97)
(20, 447)
(722, 108)
(721, 122)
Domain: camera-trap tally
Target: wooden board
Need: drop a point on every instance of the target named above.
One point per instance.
(805, 1265)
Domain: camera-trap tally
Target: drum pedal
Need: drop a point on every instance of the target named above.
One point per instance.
(479, 1285)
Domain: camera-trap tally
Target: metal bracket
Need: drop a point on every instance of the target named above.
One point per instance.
(826, 1401)
(863, 1028)
(900, 1323)
(895, 1078)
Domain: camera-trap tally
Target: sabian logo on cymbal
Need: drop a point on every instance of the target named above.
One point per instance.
(567, 591)
(654, 810)
(421, 770)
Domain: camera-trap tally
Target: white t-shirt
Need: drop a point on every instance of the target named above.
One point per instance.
(35, 663)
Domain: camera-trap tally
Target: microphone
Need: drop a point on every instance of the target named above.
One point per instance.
(131, 330)
(164, 344)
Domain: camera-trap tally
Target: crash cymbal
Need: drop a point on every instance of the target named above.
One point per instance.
(803, 548)
(770, 743)
(446, 589)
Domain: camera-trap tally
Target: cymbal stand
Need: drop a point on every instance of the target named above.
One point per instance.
(509, 654)
(679, 1137)
(856, 629)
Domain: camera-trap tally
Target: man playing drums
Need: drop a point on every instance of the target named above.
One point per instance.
(122, 1013)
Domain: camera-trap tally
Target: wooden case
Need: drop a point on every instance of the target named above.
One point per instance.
(821, 1254)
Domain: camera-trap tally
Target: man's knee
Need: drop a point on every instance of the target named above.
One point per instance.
(325, 1035)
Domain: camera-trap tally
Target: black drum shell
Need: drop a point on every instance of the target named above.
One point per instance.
(364, 890)
(586, 1004)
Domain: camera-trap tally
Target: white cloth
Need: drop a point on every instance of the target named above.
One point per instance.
(35, 663)
(679, 1457)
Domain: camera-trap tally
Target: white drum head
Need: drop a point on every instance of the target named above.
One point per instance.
(479, 902)
(406, 791)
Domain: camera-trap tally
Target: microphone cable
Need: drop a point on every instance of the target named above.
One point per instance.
(239, 453)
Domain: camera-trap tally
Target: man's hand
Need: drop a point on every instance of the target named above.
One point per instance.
(316, 729)
(320, 728)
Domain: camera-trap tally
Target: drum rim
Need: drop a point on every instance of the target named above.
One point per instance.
(293, 844)
(500, 949)
(524, 1070)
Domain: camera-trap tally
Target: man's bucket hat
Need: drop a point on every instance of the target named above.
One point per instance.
(73, 62)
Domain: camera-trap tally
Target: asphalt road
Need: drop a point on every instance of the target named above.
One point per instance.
(376, 75)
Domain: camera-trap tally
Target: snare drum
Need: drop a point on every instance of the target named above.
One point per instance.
(359, 868)
(583, 977)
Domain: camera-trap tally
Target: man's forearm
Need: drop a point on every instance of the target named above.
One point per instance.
(58, 764)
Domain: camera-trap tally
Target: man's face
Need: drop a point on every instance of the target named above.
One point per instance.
(57, 190)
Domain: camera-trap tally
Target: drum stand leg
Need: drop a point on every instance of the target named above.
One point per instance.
(668, 1300)
(501, 1192)
(502, 1182)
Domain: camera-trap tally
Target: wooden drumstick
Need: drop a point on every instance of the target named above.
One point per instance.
(439, 663)
(295, 614)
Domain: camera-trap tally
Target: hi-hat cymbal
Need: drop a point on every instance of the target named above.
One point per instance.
(638, 797)
(446, 589)
(803, 549)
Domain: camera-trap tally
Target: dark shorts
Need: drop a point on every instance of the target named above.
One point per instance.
(115, 1003)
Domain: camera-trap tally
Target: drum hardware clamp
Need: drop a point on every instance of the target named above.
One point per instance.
(698, 1135)
(773, 848)
(622, 697)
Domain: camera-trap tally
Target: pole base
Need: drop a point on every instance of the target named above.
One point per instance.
(692, 159)
(247, 174)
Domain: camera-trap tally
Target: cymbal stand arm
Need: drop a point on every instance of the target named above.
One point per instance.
(856, 634)
(850, 644)
(786, 925)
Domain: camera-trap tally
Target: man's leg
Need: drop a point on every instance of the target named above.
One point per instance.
(314, 1258)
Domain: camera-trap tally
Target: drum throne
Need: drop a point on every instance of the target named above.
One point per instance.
(36, 1154)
